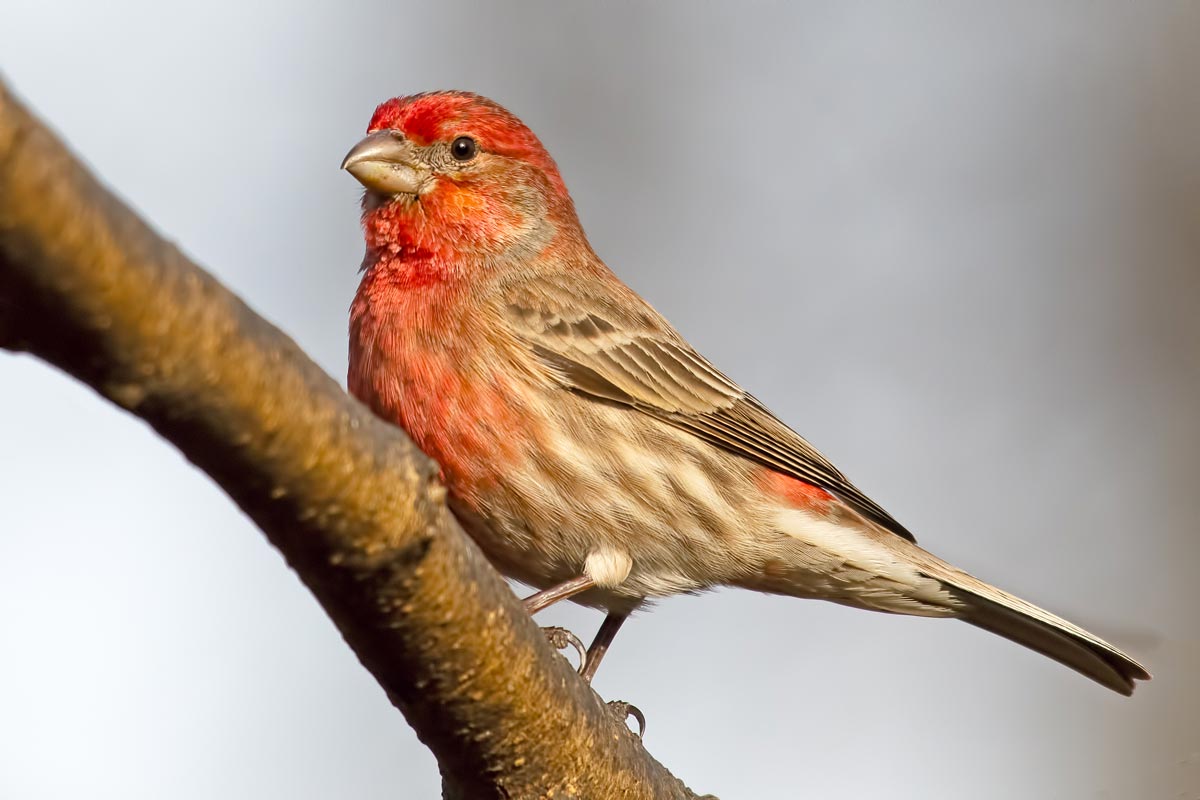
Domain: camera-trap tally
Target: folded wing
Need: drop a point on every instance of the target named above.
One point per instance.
(620, 350)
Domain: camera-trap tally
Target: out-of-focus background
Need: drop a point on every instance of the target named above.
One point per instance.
(955, 245)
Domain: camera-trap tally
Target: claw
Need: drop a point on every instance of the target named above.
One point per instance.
(561, 638)
(625, 710)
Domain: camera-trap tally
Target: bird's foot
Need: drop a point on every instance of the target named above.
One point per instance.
(623, 711)
(561, 639)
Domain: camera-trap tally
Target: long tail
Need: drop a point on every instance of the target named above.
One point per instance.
(859, 563)
(1024, 623)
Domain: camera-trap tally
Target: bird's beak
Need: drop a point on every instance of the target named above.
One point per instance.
(386, 162)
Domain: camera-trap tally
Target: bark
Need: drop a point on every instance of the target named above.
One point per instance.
(354, 507)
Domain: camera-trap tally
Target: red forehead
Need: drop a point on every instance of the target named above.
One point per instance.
(423, 118)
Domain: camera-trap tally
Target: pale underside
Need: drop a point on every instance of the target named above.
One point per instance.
(648, 511)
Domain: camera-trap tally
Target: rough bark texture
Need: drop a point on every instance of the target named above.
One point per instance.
(354, 507)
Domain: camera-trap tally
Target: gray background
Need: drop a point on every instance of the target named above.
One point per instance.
(956, 245)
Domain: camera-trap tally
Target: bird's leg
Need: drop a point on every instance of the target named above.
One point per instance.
(589, 660)
(560, 638)
(547, 597)
(604, 637)
(608, 631)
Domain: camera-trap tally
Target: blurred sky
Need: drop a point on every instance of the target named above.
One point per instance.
(955, 245)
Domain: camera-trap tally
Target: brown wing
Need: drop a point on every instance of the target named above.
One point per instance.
(607, 343)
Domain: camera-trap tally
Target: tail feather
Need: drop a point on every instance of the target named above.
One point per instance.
(1024, 623)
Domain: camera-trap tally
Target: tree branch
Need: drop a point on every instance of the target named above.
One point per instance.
(353, 506)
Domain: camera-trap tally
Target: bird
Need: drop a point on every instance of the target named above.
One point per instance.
(587, 448)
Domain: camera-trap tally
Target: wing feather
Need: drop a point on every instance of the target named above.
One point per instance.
(619, 350)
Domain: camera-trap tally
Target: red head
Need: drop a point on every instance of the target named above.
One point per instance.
(453, 173)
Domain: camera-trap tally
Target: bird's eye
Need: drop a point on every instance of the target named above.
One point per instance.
(463, 148)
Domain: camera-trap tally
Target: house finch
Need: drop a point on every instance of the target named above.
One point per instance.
(587, 448)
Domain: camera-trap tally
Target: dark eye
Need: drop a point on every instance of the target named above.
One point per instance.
(463, 148)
